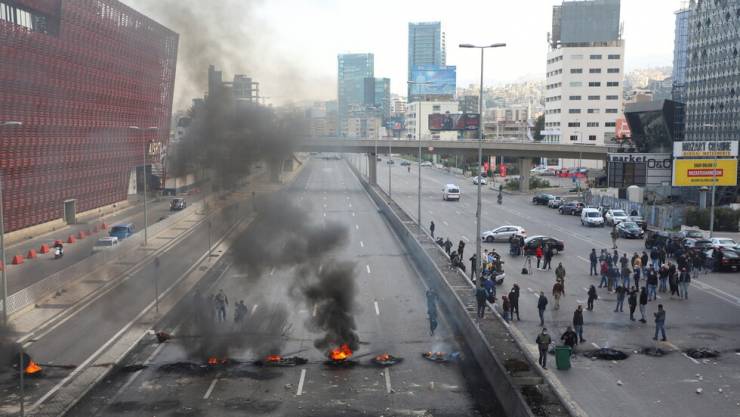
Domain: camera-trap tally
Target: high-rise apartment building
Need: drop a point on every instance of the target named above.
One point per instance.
(585, 65)
(713, 76)
(426, 47)
(378, 95)
(680, 55)
(352, 69)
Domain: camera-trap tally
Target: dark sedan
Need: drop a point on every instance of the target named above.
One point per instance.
(572, 207)
(722, 260)
(640, 221)
(630, 230)
(531, 243)
(542, 199)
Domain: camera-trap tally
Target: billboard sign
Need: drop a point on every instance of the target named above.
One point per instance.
(642, 169)
(441, 79)
(454, 121)
(700, 149)
(704, 172)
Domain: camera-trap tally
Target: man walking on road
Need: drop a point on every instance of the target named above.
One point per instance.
(593, 259)
(560, 275)
(548, 257)
(620, 299)
(660, 323)
(578, 323)
(541, 305)
(460, 248)
(514, 301)
(614, 235)
(652, 283)
(592, 296)
(633, 303)
(538, 254)
(643, 303)
(221, 301)
(557, 292)
(473, 267)
(684, 279)
(543, 343)
(480, 298)
(448, 246)
(431, 228)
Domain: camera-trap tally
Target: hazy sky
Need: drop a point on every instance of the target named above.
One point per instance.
(313, 32)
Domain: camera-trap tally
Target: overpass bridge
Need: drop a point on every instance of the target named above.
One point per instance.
(524, 151)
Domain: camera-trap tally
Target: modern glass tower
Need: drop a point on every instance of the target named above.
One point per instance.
(352, 69)
(680, 55)
(426, 46)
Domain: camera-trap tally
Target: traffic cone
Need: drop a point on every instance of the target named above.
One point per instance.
(57, 242)
(81, 235)
(17, 260)
(31, 254)
(71, 239)
(44, 248)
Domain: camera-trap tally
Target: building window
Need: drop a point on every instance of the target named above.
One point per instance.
(611, 110)
(576, 56)
(612, 83)
(610, 124)
(614, 56)
(591, 137)
(594, 70)
(436, 108)
(574, 137)
(612, 97)
(574, 124)
(594, 84)
(594, 97)
(592, 124)
(613, 70)
(576, 70)
(574, 111)
(594, 111)
(595, 56)
(576, 84)
(574, 98)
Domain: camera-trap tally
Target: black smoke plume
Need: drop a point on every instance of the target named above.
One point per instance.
(8, 347)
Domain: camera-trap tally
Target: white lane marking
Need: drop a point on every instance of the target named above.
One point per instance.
(357, 227)
(595, 345)
(315, 309)
(362, 244)
(579, 301)
(387, 381)
(368, 268)
(254, 308)
(321, 266)
(529, 289)
(583, 259)
(536, 296)
(300, 382)
(324, 214)
(211, 387)
(377, 309)
(465, 238)
(350, 205)
(445, 223)
(272, 271)
(692, 359)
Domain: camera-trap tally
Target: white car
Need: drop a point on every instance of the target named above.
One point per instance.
(591, 217)
(723, 242)
(105, 244)
(451, 192)
(502, 234)
(538, 171)
(614, 216)
(479, 178)
(426, 164)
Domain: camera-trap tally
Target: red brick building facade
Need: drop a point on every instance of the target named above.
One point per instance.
(78, 74)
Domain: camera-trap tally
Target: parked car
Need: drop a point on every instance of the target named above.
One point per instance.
(531, 243)
(692, 244)
(480, 179)
(549, 172)
(502, 234)
(592, 217)
(691, 234)
(122, 231)
(722, 259)
(630, 230)
(542, 199)
(177, 204)
(390, 162)
(105, 243)
(451, 192)
(540, 170)
(614, 216)
(405, 163)
(640, 221)
(555, 202)
(724, 242)
(659, 238)
(572, 207)
(426, 164)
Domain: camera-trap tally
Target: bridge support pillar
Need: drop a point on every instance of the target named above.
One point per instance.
(372, 172)
(525, 164)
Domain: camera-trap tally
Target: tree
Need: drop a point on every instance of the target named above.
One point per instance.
(539, 126)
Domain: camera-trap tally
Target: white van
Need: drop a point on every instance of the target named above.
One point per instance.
(451, 192)
(591, 217)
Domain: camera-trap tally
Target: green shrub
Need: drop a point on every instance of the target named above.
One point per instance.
(725, 219)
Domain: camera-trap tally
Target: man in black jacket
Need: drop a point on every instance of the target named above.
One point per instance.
(541, 305)
(593, 259)
(570, 339)
(633, 303)
(480, 297)
(543, 343)
(514, 301)
(643, 303)
(578, 323)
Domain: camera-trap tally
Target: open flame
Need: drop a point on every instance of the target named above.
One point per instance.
(273, 358)
(216, 361)
(341, 353)
(33, 368)
(383, 358)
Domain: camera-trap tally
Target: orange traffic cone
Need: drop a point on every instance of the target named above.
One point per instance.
(81, 235)
(31, 254)
(44, 248)
(17, 260)
(71, 239)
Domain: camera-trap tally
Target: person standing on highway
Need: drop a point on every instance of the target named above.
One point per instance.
(636, 261)
(636, 277)
(626, 276)
(431, 228)
(662, 255)
(448, 246)
(592, 296)
(643, 303)
(684, 279)
(506, 308)
(578, 323)
(632, 301)
(221, 301)
(604, 269)
(614, 235)
(480, 297)
(570, 339)
(663, 277)
(593, 259)
(660, 323)
(460, 248)
(655, 257)
(548, 257)
(673, 285)
(557, 292)
(560, 275)
(538, 254)
(620, 291)
(541, 305)
(644, 259)
(543, 344)
(652, 283)
(514, 301)
(473, 267)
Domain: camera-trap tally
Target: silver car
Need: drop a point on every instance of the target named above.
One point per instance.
(503, 234)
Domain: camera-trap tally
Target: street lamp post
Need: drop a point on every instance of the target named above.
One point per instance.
(418, 137)
(2, 238)
(146, 210)
(480, 147)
